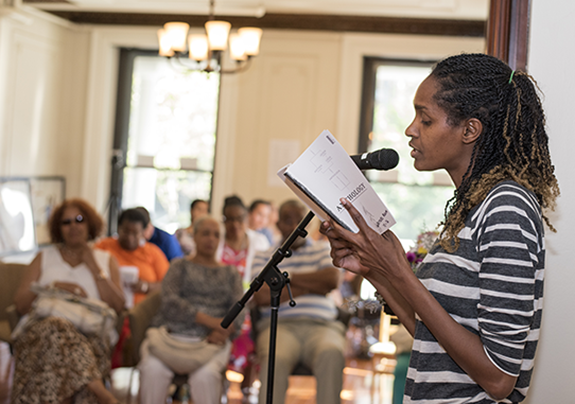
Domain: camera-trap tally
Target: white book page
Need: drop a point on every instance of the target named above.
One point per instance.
(324, 173)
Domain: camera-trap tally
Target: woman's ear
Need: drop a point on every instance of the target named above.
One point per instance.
(473, 129)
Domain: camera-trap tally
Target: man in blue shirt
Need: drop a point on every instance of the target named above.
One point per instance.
(166, 241)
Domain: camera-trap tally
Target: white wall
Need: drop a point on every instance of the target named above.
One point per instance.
(42, 96)
(551, 61)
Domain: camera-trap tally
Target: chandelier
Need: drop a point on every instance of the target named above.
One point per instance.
(205, 50)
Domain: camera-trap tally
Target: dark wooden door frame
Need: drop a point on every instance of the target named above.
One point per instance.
(507, 34)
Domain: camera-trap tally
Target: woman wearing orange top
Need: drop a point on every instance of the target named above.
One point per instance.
(131, 249)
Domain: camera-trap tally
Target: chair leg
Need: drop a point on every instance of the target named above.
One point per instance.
(129, 393)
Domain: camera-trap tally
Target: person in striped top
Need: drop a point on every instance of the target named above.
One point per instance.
(474, 307)
(308, 333)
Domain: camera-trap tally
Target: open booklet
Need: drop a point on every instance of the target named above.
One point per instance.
(323, 174)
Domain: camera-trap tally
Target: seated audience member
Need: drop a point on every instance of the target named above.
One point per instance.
(259, 215)
(131, 249)
(197, 293)
(166, 241)
(198, 209)
(55, 362)
(309, 332)
(238, 248)
(240, 244)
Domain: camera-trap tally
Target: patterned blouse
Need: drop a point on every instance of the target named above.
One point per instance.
(189, 288)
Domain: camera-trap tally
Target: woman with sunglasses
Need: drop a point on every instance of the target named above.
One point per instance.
(55, 362)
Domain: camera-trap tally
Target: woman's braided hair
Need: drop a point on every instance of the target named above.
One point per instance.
(513, 144)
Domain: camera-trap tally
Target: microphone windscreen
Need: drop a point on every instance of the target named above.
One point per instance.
(384, 159)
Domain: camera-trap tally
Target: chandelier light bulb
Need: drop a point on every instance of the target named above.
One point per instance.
(251, 38)
(177, 32)
(165, 44)
(198, 46)
(237, 47)
(218, 32)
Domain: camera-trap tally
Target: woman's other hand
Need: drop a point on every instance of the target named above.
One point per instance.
(73, 288)
(87, 257)
(214, 324)
(141, 286)
(366, 250)
(217, 337)
(342, 252)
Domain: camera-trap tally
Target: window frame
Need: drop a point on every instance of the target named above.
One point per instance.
(121, 135)
(370, 65)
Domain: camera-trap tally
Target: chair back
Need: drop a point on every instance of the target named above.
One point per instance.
(10, 276)
(140, 317)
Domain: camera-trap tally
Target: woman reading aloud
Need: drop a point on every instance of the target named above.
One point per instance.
(474, 307)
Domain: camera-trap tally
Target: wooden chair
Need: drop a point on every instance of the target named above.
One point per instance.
(11, 276)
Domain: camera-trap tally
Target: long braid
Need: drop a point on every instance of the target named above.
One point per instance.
(513, 144)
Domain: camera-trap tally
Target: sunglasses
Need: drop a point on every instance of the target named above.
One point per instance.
(77, 219)
(237, 219)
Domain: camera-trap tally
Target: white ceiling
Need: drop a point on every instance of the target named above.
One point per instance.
(442, 9)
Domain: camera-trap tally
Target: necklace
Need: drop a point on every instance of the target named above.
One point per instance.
(71, 255)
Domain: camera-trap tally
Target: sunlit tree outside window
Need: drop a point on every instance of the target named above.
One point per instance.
(172, 139)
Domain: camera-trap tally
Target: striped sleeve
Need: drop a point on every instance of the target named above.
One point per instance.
(510, 237)
(260, 260)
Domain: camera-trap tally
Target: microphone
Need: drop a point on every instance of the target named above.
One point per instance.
(382, 159)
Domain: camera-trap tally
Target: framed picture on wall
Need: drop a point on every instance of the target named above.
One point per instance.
(47, 193)
(17, 230)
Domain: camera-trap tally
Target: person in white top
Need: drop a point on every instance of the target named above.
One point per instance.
(238, 248)
(55, 362)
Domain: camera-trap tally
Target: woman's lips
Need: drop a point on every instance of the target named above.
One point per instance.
(414, 151)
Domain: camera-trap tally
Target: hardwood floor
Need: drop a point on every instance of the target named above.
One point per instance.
(359, 386)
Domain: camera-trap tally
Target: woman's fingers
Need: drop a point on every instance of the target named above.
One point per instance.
(341, 252)
(324, 227)
(338, 243)
(334, 231)
(355, 215)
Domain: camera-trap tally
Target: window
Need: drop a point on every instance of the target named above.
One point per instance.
(167, 135)
(416, 199)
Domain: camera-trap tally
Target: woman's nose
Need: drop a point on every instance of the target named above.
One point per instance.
(410, 130)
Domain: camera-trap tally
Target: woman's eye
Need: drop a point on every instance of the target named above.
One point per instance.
(426, 123)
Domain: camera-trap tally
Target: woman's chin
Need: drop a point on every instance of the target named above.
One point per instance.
(75, 242)
(208, 251)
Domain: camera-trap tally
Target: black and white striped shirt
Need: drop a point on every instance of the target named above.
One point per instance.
(493, 286)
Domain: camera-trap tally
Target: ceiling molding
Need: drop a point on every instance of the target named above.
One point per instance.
(316, 22)
(46, 1)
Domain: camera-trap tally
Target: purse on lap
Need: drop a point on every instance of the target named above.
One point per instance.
(89, 316)
(181, 357)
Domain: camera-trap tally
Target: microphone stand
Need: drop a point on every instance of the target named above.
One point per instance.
(276, 280)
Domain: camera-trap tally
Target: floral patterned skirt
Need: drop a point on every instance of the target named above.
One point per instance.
(54, 362)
